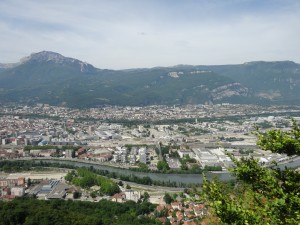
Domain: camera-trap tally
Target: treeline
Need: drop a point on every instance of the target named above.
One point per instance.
(30, 211)
(139, 180)
(16, 166)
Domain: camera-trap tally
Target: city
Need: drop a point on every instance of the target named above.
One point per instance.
(148, 142)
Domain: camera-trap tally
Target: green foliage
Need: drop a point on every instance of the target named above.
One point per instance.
(76, 195)
(213, 168)
(33, 212)
(167, 198)
(146, 196)
(264, 125)
(75, 148)
(143, 167)
(246, 151)
(85, 179)
(281, 141)
(55, 83)
(261, 195)
(15, 166)
(162, 165)
(231, 139)
(186, 160)
(184, 166)
(165, 149)
(70, 176)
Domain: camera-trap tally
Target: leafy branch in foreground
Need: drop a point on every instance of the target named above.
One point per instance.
(280, 141)
(261, 195)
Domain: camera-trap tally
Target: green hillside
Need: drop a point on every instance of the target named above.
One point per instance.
(48, 77)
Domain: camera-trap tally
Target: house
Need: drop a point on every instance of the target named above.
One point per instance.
(162, 219)
(17, 191)
(176, 205)
(12, 182)
(179, 215)
(132, 195)
(119, 197)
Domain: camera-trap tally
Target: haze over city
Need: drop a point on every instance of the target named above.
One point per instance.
(131, 34)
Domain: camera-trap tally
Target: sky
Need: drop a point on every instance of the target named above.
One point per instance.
(121, 34)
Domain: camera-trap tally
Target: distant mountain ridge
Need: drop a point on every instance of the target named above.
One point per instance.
(49, 77)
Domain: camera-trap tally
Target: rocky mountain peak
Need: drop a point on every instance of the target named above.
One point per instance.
(46, 56)
(53, 57)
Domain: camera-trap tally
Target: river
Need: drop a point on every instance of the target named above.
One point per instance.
(178, 178)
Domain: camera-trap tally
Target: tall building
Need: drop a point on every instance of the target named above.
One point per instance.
(69, 153)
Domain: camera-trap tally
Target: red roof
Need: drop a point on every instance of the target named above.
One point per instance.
(8, 196)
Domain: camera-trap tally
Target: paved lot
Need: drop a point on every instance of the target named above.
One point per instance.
(34, 175)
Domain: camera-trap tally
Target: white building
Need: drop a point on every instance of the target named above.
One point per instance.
(132, 195)
(17, 191)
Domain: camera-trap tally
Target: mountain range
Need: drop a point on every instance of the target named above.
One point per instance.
(48, 77)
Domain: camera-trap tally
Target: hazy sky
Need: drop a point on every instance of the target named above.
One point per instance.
(146, 33)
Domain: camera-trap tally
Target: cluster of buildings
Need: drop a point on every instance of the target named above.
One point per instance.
(98, 154)
(10, 153)
(127, 195)
(187, 212)
(133, 155)
(49, 189)
(180, 211)
(146, 113)
(12, 188)
(104, 142)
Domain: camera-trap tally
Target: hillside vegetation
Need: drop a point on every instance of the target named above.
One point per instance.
(261, 195)
(48, 77)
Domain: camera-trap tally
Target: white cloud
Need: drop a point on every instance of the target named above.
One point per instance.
(125, 34)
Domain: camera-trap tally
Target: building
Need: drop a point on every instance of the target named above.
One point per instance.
(68, 153)
(185, 153)
(12, 182)
(132, 195)
(49, 189)
(17, 191)
(119, 197)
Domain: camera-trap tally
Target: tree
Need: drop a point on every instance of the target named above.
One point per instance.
(93, 195)
(33, 211)
(184, 166)
(175, 195)
(109, 188)
(146, 196)
(29, 182)
(73, 153)
(143, 167)
(261, 195)
(167, 198)
(281, 141)
(162, 165)
(167, 222)
(76, 195)
(69, 177)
